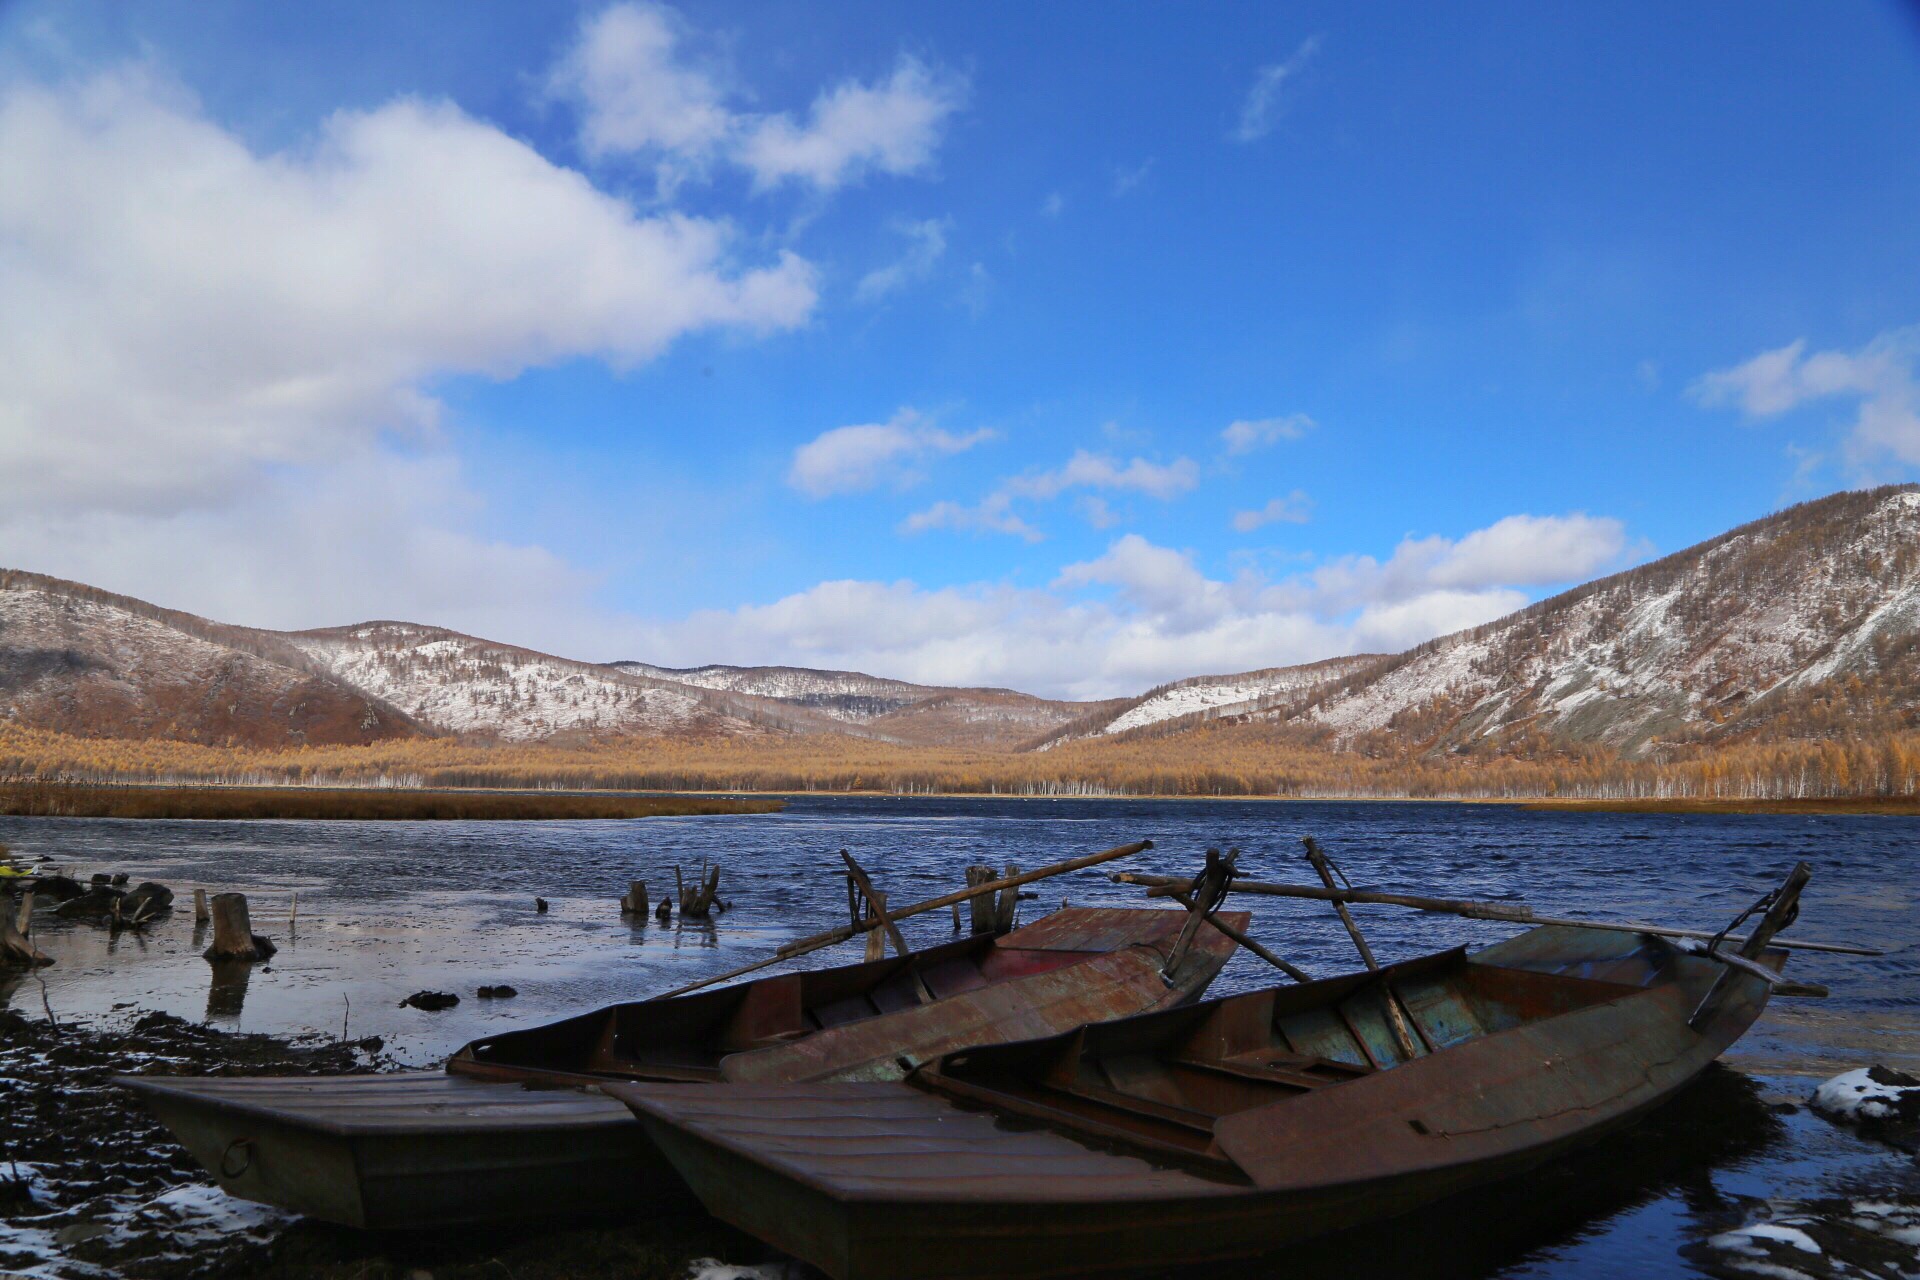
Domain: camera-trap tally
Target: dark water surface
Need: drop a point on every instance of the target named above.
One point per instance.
(385, 909)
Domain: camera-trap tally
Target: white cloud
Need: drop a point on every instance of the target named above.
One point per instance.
(926, 243)
(1295, 508)
(1127, 179)
(867, 455)
(1141, 614)
(1264, 102)
(1519, 550)
(1880, 376)
(635, 91)
(182, 311)
(893, 127)
(1053, 206)
(639, 95)
(991, 515)
(1085, 470)
(1248, 434)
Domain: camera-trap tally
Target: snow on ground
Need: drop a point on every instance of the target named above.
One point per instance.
(1858, 1096)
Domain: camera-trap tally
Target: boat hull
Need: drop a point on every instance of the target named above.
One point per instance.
(418, 1149)
(897, 1182)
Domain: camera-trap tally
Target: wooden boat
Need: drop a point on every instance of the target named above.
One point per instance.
(516, 1129)
(1226, 1129)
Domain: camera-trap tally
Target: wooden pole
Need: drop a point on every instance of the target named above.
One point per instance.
(879, 901)
(803, 946)
(1399, 1023)
(200, 912)
(877, 938)
(24, 922)
(1166, 886)
(1298, 975)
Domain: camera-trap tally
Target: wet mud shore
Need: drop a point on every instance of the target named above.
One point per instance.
(92, 1186)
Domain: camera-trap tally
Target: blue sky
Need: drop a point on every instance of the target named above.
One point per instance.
(1074, 348)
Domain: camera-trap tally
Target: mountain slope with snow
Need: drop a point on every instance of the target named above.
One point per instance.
(83, 661)
(1745, 631)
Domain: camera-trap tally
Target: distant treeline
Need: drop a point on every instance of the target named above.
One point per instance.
(42, 799)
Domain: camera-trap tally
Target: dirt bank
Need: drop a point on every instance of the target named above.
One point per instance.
(54, 800)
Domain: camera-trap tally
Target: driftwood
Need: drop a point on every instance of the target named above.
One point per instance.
(16, 949)
(233, 935)
(877, 901)
(803, 946)
(700, 903)
(1167, 886)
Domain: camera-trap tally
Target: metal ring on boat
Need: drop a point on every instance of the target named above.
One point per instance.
(245, 1147)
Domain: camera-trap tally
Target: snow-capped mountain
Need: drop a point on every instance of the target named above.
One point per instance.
(455, 683)
(1758, 628)
(88, 662)
(1199, 699)
(1805, 623)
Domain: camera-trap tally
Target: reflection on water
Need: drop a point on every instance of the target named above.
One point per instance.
(386, 909)
(227, 991)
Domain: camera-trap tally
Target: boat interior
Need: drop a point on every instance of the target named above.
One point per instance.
(686, 1037)
(1160, 1081)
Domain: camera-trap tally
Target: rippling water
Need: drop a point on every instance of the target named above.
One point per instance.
(385, 909)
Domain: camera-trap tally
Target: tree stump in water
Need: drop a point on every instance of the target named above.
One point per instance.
(200, 912)
(699, 904)
(233, 935)
(1009, 904)
(635, 903)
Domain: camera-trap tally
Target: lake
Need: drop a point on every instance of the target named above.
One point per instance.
(386, 909)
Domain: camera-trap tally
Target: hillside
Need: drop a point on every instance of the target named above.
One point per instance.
(1198, 699)
(1789, 626)
(893, 710)
(82, 661)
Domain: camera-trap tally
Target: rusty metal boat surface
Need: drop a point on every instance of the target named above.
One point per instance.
(1225, 1129)
(517, 1129)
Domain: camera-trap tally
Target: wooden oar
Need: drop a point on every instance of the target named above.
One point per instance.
(1166, 886)
(802, 946)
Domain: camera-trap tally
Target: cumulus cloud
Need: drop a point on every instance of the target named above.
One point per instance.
(1087, 470)
(868, 455)
(1140, 614)
(892, 127)
(1266, 100)
(182, 311)
(1084, 470)
(1880, 377)
(926, 243)
(635, 88)
(639, 94)
(1249, 434)
(1295, 508)
(992, 514)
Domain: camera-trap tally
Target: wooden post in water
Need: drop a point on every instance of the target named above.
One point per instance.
(25, 921)
(982, 907)
(200, 913)
(635, 903)
(1009, 903)
(233, 935)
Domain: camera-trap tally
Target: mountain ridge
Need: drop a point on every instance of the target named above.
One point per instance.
(1806, 619)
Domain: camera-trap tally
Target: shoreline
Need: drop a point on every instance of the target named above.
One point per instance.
(346, 801)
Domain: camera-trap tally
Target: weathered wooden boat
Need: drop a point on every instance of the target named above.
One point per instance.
(1228, 1128)
(516, 1129)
